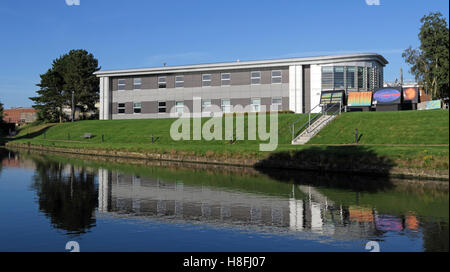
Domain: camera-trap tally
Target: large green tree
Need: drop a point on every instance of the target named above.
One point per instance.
(70, 73)
(429, 62)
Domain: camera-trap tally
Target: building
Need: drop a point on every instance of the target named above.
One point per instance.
(293, 84)
(19, 116)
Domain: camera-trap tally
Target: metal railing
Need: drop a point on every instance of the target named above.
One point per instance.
(310, 117)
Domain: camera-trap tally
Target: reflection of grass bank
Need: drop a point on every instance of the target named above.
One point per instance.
(230, 180)
(390, 196)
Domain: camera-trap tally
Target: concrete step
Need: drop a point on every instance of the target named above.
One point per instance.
(315, 128)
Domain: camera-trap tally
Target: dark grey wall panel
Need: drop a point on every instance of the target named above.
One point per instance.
(285, 101)
(266, 101)
(240, 101)
(150, 107)
(114, 109)
(189, 104)
(149, 82)
(306, 88)
(129, 108)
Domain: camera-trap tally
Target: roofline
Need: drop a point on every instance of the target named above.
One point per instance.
(246, 64)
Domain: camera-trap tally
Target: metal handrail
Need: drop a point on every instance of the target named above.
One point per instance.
(307, 124)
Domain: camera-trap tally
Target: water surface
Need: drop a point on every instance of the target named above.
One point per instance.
(47, 200)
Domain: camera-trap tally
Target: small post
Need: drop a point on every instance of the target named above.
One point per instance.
(103, 138)
(356, 136)
(153, 140)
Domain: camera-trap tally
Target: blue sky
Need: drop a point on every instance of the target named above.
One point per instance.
(143, 33)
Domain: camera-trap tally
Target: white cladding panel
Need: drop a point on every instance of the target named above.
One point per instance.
(316, 86)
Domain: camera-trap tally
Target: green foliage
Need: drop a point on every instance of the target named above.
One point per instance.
(72, 72)
(429, 62)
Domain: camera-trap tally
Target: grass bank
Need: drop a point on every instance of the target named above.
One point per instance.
(414, 140)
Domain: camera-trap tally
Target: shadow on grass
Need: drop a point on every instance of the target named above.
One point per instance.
(32, 135)
(333, 166)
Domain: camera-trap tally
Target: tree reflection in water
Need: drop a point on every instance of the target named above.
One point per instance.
(67, 195)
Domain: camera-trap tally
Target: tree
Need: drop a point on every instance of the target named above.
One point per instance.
(429, 62)
(2, 123)
(70, 73)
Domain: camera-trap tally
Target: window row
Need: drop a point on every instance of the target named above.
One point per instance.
(206, 104)
(225, 80)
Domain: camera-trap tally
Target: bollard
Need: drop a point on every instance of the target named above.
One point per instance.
(356, 136)
(103, 138)
(153, 140)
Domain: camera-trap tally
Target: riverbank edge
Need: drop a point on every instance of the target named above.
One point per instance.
(395, 172)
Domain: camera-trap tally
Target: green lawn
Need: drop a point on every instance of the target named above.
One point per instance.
(383, 134)
(401, 127)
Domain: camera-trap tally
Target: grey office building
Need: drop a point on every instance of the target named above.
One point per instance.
(293, 84)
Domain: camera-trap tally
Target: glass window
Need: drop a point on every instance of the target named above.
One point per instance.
(255, 77)
(225, 79)
(206, 104)
(137, 83)
(179, 81)
(121, 83)
(137, 107)
(256, 104)
(226, 105)
(339, 77)
(161, 106)
(327, 77)
(121, 108)
(162, 82)
(277, 102)
(276, 76)
(179, 106)
(350, 77)
(206, 80)
(361, 78)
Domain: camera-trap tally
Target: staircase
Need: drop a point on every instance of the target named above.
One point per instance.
(304, 129)
(312, 130)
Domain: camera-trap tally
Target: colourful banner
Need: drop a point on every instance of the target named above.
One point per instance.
(429, 105)
(387, 96)
(359, 99)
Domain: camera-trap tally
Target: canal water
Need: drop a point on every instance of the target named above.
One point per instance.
(48, 200)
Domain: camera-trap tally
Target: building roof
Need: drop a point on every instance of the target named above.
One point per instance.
(247, 64)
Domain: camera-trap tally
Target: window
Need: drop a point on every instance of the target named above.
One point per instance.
(255, 77)
(327, 77)
(339, 77)
(350, 77)
(360, 78)
(137, 83)
(206, 104)
(277, 102)
(162, 82)
(121, 108)
(179, 81)
(121, 83)
(276, 76)
(161, 106)
(137, 107)
(225, 79)
(206, 80)
(256, 104)
(179, 106)
(226, 105)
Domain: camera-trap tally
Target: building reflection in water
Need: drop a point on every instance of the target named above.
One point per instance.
(312, 212)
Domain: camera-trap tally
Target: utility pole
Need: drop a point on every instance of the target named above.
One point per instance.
(401, 77)
(73, 106)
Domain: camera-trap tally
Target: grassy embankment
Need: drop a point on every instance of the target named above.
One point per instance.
(409, 139)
